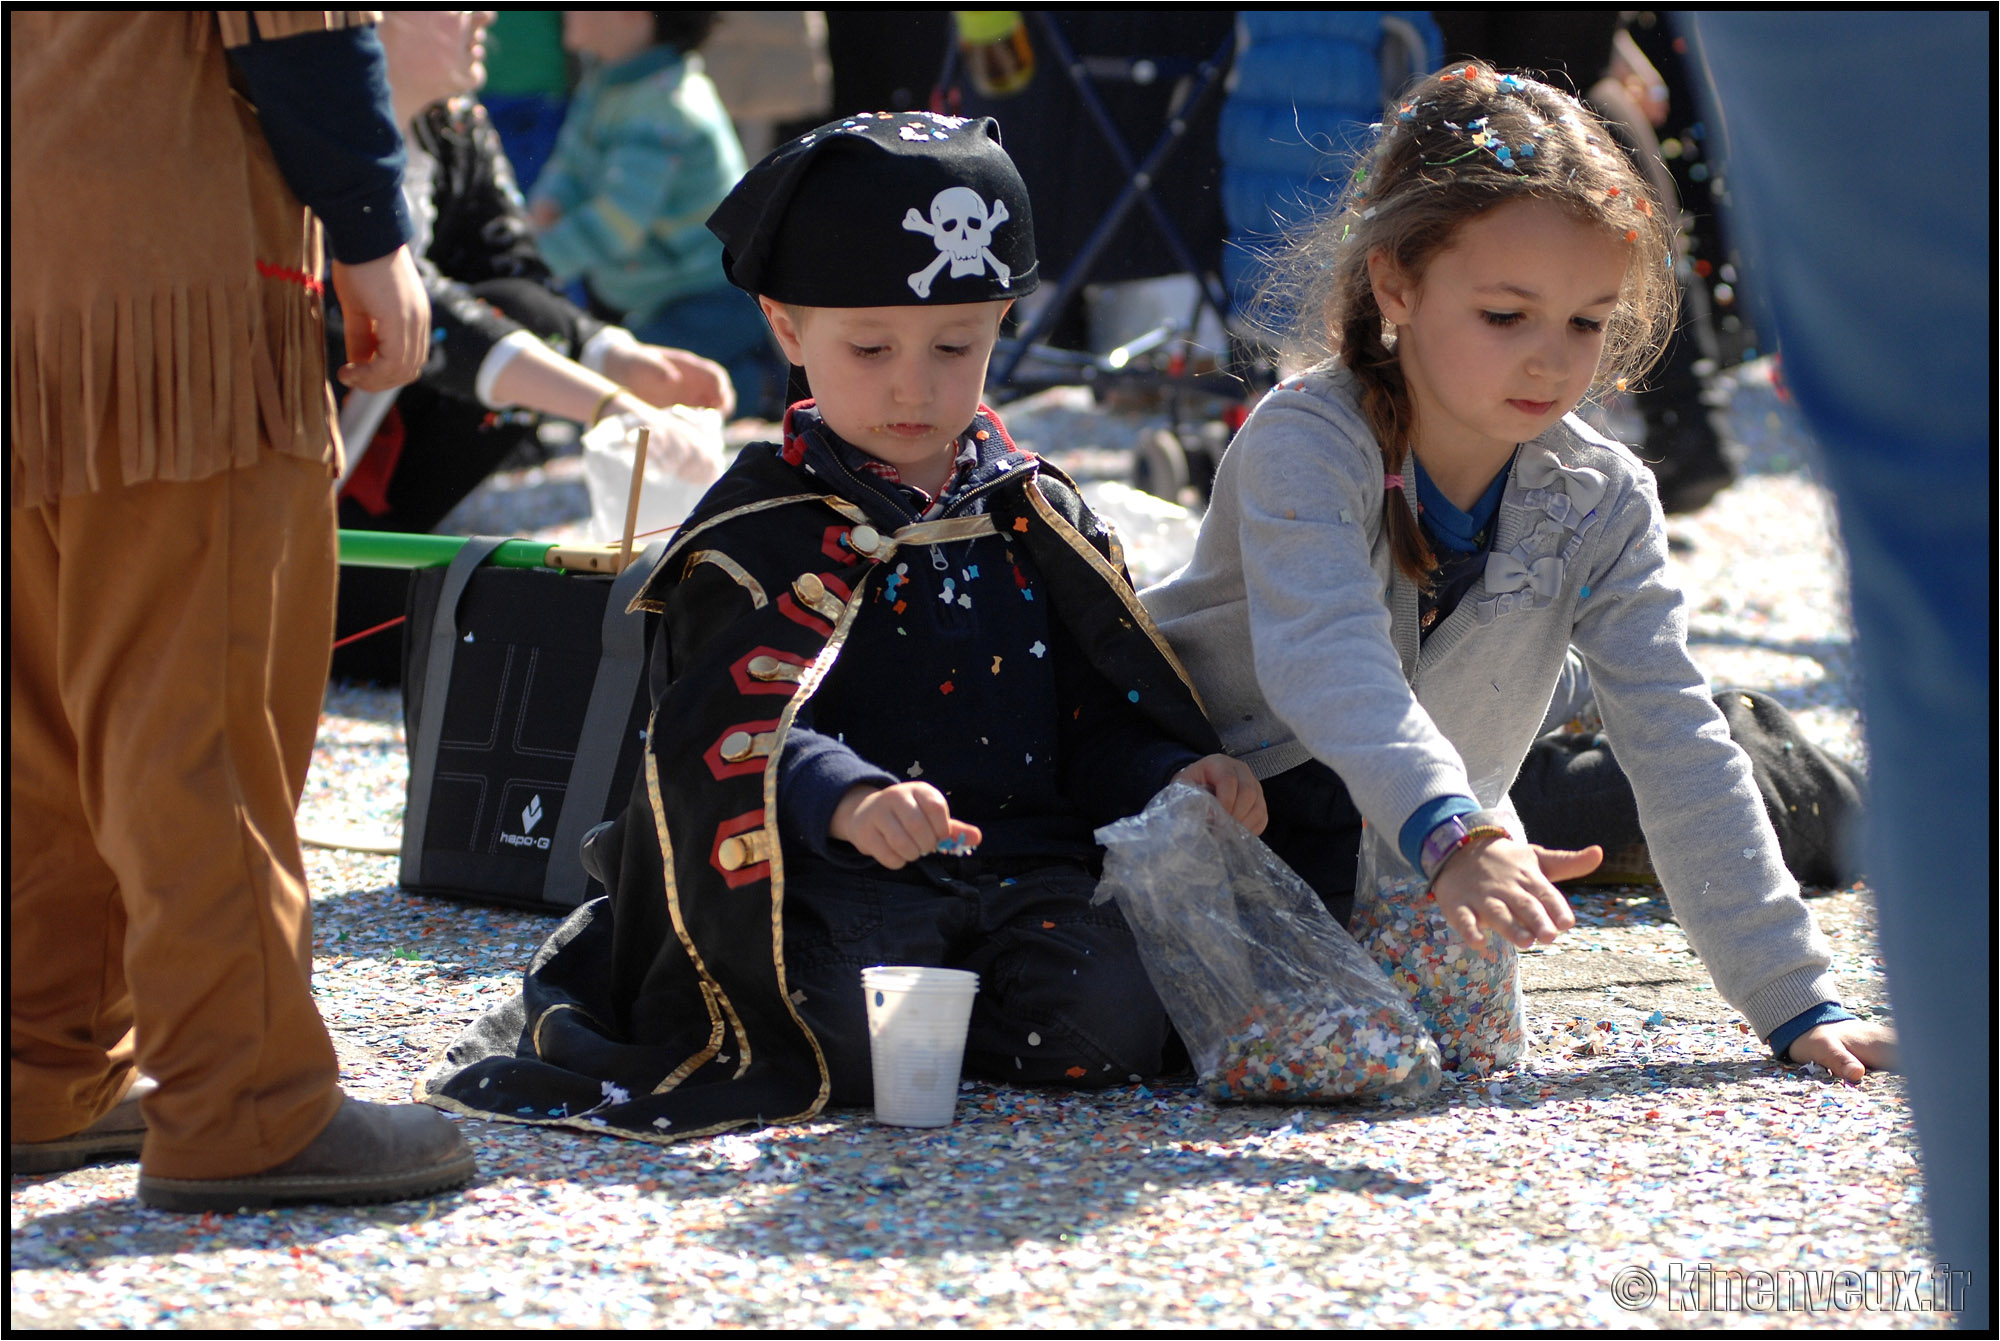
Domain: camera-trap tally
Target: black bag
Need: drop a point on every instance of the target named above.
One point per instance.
(1816, 802)
(525, 707)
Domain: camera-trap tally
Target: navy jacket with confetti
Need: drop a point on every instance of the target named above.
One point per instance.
(813, 634)
(955, 674)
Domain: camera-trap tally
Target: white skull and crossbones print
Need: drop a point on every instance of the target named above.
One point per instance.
(961, 224)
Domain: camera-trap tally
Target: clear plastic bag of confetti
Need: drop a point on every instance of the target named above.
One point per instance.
(1273, 998)
(1468, 997)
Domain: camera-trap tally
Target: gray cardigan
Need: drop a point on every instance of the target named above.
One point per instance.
(1301, 636)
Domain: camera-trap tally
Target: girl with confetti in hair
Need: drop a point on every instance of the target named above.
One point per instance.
(1406, 540)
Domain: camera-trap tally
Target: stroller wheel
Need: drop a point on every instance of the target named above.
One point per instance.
(1160, 466)
(1203, 458)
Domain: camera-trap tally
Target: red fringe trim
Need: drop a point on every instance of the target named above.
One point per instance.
(310, 283)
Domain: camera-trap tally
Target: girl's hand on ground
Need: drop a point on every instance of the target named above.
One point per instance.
(1230, 782)
(1848, 1048)
(1506, 886)
(896, 825)
(663, 376)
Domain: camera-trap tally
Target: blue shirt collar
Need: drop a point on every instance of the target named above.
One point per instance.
(1460, 532)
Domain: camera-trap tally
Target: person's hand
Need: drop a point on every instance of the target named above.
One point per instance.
(662, 376)
(671, 446)
(896, 825)
(1639, 78)
(388, 319)
(544, 213)
(1230, 782)
(1848, 1048)
(1509, 887)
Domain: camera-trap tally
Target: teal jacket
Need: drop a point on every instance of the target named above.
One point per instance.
(645, 154)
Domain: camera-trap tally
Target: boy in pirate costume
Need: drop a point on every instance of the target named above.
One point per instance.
(899, 678)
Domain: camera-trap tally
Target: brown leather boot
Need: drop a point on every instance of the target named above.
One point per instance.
(111, 1139)
(369, 1152)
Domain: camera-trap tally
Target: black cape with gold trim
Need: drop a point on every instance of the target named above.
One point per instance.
(663, 1012)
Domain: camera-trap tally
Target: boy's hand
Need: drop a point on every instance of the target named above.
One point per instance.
(1507, 886)
(896, 825)
(387, 316)
(1848, 1048)
(1231, 782)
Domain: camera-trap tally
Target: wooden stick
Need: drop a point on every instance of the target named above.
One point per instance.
(632, 502)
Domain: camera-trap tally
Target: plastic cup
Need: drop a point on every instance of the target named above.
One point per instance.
(917, 1020)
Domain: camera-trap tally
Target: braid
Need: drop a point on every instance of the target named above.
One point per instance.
(1385, 404)
(1463, 141)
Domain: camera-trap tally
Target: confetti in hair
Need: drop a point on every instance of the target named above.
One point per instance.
(1459, 143)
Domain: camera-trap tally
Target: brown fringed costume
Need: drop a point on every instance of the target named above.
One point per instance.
(171, 567)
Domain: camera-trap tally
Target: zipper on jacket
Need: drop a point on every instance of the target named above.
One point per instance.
(938, 560)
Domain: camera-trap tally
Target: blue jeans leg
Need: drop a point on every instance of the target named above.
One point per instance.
(838, 922)
(1858, 163)
(1063, 999)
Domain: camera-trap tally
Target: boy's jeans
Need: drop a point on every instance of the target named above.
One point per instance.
(1859, 160)
(1063, 999)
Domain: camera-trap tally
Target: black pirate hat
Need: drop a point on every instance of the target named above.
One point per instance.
(882, 210)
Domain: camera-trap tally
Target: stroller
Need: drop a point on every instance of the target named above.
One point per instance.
(1248, 113)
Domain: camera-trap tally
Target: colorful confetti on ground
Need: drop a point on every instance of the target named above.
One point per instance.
(1646, 1137)
(1322, 1051)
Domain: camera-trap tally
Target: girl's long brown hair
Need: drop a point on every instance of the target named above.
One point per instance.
(1461, 142)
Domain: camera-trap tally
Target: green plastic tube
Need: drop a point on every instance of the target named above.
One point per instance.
(396, 549)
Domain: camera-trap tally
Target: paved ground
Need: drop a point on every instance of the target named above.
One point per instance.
(1649, 1166)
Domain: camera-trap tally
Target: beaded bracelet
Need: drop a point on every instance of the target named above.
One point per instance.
(1453, 833)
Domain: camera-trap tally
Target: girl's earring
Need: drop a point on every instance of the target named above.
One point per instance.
(1392, 289)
